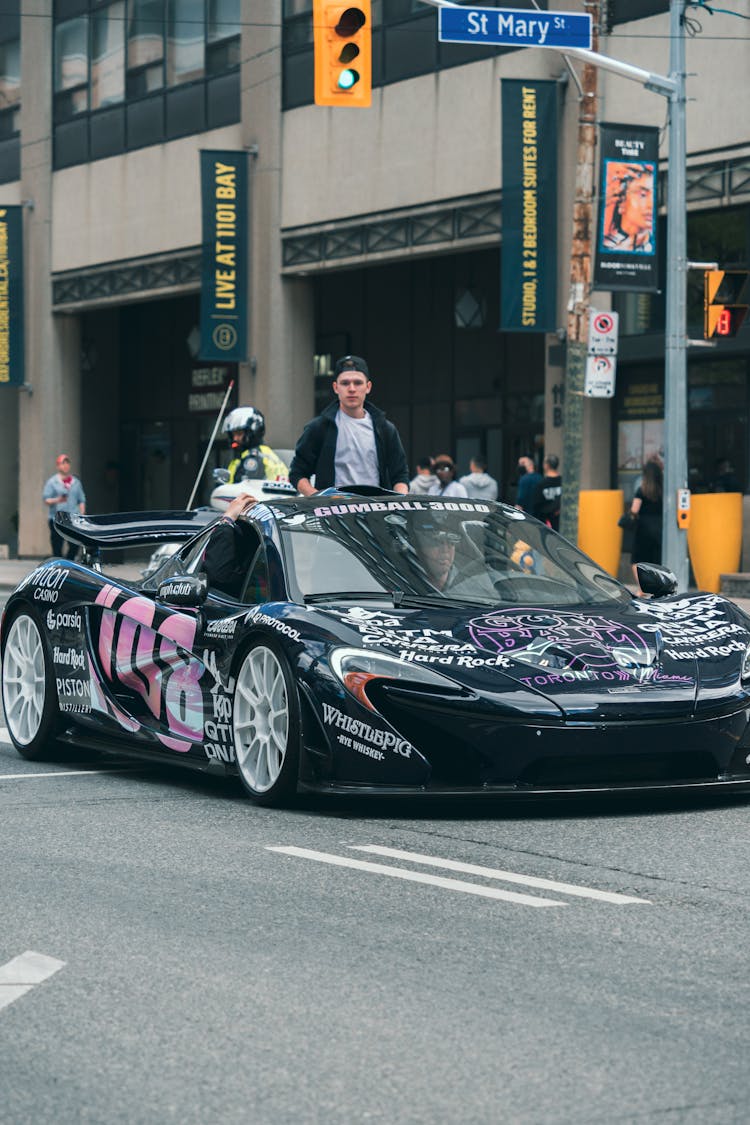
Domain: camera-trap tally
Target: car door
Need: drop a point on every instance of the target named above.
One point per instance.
(148, 675)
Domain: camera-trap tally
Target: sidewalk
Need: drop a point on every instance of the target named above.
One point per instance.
(13, 570)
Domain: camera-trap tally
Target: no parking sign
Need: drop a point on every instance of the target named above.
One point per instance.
(600, 376)
(602, 333)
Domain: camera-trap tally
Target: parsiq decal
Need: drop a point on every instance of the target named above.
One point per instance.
(56, 619)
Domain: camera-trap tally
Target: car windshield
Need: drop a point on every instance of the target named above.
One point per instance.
(417, 552)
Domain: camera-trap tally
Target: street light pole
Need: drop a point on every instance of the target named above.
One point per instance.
(674, 539)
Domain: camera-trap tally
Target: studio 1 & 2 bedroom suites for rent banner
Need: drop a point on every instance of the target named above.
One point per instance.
(529, 250)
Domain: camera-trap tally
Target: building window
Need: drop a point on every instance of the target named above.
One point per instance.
(10, 87)
(108, 55)
(131, 73)
(223, 35)
(145, 47)
(71, 68)
(185, 39)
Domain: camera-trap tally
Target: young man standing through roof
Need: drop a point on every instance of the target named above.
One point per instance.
(351, 441)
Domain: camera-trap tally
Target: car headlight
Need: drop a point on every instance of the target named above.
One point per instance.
(745, 674)
(356, 668)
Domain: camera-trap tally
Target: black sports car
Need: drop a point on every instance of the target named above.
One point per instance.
(379, 643)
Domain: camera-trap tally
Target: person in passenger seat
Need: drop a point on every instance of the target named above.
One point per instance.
(225, 560)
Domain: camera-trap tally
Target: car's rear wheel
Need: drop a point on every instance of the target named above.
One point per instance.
(266, 723)
(32, 714)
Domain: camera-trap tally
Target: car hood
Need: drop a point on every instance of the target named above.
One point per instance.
(680, 655)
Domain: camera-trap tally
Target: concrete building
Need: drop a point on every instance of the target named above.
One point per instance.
(375, 231)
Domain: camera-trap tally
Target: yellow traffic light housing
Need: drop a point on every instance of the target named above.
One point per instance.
(342, 35)
(726, 298)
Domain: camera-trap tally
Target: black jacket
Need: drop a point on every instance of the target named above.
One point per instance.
(315, 452)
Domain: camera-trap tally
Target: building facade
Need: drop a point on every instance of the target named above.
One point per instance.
(377, 231)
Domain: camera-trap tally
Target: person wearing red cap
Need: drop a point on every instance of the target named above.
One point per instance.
(62, 493)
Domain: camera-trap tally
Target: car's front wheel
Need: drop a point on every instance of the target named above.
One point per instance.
(29, 698)
(266, 723)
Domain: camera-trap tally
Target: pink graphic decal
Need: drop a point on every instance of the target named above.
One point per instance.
(562, 640)
(106, 595)
(148, 662)
(180, 628)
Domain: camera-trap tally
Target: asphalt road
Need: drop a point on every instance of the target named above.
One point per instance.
(203, 960)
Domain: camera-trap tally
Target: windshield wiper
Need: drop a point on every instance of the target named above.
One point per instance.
(394, 596)
(428, 601)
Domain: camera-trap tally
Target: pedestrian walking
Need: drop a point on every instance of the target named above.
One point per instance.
(351, 441)
(446, 472)
(549, 493)
(63, 492)
(425, 478)
(478, 483)
(646, 508)
(528, 480)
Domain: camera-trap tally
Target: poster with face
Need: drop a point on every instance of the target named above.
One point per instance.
(626, 245)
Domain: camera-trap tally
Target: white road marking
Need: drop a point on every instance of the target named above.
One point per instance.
(4, 736)
(57, 773)
(22, 973)
(496, 873)
(416, 876)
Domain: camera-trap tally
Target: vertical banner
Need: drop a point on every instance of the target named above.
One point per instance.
(626, 243)
(224, 265)
(528, 257)
(11, 297)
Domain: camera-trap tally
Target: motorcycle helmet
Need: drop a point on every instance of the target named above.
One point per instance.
(250, 421)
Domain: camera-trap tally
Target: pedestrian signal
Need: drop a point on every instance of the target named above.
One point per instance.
(726, 298)
(342, 35)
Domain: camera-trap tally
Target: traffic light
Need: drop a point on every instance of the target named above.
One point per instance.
(726, 298)
(342, 35)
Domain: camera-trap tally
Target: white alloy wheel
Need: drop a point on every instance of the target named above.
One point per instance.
(24, 681)
(266, 724)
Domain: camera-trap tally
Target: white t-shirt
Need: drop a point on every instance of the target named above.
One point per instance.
(356, 455)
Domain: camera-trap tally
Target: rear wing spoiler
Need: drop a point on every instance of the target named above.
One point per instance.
(132, 529)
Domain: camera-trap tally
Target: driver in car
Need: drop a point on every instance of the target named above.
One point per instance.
(437, 552)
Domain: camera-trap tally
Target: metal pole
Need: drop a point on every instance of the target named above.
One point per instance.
(210, 444)
(580, 290)
(674, 540)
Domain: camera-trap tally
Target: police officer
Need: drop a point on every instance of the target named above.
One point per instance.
(246, 428)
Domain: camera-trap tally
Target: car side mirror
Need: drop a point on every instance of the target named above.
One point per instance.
(655, 580)
(221, 476)
(188, 590)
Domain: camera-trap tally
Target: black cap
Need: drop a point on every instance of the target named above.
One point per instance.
(351, 363)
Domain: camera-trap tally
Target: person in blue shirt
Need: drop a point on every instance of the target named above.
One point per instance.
(63, 493)
(528, 481)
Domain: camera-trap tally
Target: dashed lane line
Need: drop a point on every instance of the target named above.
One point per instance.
(19, 975)
(496, 873)
(416, 876)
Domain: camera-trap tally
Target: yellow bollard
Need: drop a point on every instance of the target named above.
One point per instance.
(715, 537)
(598, 533)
